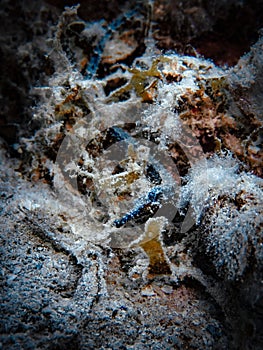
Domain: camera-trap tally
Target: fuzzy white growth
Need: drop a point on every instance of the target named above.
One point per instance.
(77, 109)
(233, 202)
(207, 180)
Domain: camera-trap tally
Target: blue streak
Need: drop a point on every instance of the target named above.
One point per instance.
(95, 59)
(152, 198)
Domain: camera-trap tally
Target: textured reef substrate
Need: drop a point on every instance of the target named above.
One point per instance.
(131, 175)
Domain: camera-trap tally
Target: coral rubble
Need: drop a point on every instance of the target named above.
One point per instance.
(132, 191)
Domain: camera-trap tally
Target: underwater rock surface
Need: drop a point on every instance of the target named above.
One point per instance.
(131, 175)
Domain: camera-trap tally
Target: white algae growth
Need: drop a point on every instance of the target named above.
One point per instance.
(132, 210)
